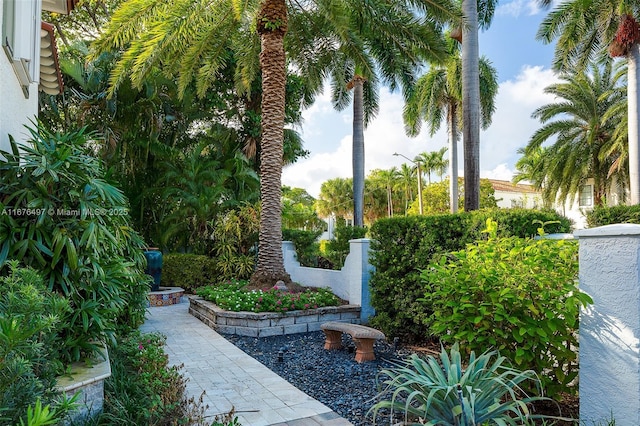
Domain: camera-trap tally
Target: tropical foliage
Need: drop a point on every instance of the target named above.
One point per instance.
(61, 216)
(582, 124)
(436, 198)
(437, 96)
(298, 210)
(144, 389)
(191, 56)
(585, 30)
(30, 322)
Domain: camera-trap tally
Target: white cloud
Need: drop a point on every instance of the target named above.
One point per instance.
(512, 127)
(516, 8)
(500, 172)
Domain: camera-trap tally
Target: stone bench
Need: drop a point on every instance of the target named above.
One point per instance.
(364, 338)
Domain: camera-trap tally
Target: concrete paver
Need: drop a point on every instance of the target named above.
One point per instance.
(230, 378)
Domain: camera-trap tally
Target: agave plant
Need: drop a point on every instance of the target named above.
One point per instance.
(440, 391)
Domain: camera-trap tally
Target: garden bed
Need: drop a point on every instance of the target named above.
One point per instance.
(265, 324)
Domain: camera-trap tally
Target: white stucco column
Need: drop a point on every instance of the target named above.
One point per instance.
(610, 328)
(358, 271)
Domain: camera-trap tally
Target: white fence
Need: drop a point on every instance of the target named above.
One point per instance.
(350, 283)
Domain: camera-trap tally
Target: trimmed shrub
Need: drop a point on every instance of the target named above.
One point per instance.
(516, 295)
(338, 248)
(60, 215)
(601, 216)
(188, 271)
(403, 246)
(306, 244)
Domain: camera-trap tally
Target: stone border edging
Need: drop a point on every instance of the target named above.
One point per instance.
(266, 324)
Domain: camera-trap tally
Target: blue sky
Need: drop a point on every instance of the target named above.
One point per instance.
(523, 65)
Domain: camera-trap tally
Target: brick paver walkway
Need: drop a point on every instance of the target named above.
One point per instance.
(231, 378)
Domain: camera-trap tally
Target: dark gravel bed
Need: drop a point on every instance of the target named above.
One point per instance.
(332, 377)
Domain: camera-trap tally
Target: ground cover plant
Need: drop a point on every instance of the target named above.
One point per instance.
(519, 296)
(445, 391)
(234, 296)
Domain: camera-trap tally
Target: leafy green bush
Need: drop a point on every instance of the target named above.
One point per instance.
(601, 216)
(235, 239)
(306, 244)
(447, 392)
(188, 271)
(232, 296)
(60, 216)
(403, 246)
(30, 319)
(517, 295)
(338, 248)
(143, 389)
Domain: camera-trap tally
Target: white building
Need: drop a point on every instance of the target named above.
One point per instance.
(511, 195)
(29, 63)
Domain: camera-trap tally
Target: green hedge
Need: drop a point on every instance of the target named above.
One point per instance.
(188, 271)
(306, 244)
(402, 247)
(601, 216)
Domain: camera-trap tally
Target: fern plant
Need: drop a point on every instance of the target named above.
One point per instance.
(442, 391)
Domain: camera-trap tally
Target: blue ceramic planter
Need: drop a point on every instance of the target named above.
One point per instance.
(154, 266)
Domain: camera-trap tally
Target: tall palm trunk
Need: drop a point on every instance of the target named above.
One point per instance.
(633, 100)
(452, 117)
(272, 26)
(358, 151)
(471, 106)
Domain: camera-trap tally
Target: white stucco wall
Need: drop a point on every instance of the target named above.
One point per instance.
(350, 283)
(610, 328)
(15, 109)
(527, 200)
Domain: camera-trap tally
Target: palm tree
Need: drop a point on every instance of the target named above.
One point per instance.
(438, 96)
(388, 179)
(373, 49)
(433, 162)
(585, 28)
(272, 26)
(335, 198)
(474, 19)
(531, 168)
(583, 127)
(192, 41)
(407, 180)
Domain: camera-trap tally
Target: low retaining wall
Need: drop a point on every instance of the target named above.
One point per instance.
(88, 381)
(350, 283)
(266, 324)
